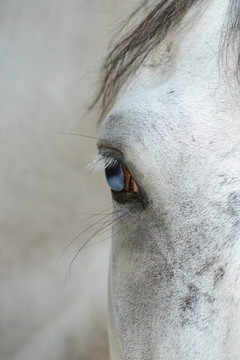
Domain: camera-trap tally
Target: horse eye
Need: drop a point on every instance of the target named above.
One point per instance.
(119, 179)
(115, 177)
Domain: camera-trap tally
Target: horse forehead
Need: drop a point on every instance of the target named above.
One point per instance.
(179, 81)
(188, 58)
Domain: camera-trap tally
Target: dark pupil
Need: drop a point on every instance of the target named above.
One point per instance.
(115, 177)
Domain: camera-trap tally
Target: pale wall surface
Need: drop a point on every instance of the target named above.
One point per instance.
(49, 59)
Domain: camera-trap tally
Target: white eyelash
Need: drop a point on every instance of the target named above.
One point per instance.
(100, 162)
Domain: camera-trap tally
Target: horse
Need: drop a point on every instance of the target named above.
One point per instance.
(169, 142)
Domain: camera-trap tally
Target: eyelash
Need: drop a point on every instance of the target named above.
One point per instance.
(100, 162)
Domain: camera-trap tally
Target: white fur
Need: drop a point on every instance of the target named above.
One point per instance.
(175, 265)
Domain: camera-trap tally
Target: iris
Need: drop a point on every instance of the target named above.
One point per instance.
(115, 177)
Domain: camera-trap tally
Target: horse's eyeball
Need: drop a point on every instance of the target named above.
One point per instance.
(119, 179)
(115, 177)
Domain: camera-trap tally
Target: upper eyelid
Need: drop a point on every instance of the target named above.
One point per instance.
(111, 153)
(117, 155)
(105, 158)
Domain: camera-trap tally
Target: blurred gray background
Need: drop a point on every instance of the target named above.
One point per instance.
(50, 55)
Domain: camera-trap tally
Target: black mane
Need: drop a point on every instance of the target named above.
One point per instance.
(129, 53)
